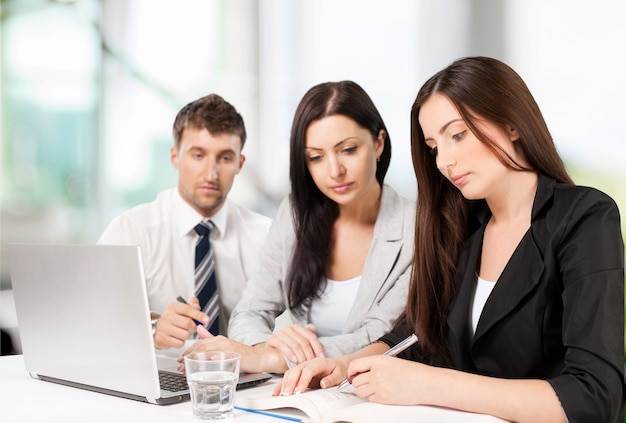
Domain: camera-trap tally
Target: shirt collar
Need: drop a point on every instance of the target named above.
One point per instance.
(187, 218)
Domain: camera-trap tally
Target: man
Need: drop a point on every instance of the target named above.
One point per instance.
(209, 135)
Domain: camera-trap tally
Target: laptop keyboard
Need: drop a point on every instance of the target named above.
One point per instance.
(173, 382)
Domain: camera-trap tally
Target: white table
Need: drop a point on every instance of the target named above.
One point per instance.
(24, 399)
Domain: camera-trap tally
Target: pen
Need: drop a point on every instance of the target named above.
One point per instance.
(393, 351)
(182, 300)
(265, 413)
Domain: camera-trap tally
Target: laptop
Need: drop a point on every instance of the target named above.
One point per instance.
(84, 321)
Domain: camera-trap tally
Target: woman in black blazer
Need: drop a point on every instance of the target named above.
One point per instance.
(517, 291)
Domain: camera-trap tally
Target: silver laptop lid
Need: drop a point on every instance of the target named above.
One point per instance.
(83, 316)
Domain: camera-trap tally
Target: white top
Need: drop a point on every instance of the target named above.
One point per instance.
(483, 290)
(329, 312)
(164, 229)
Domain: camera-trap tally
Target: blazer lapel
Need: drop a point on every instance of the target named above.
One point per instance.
(511, 289)
(386, 252)
(527, 260)
(458, 317)
(383, 253)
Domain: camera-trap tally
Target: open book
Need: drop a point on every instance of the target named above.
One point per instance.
(331, 406)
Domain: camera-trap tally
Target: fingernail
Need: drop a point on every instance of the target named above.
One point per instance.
(284, 392)
(323, 384)
(297, 391)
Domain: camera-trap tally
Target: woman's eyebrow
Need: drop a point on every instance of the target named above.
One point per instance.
(443, 128)
(334, 146)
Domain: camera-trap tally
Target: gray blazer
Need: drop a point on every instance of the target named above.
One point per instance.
(381, 296)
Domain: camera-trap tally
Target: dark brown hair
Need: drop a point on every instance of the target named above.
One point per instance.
(313, 212)
(479, 87)
(212, 113)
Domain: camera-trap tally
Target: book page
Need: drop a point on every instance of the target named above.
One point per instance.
(331, 406)
(315, 403)
(371, 412)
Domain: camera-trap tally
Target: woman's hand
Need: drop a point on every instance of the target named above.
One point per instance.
(254, 359)
(297, 343)
(390, 380)
(324, 372)
(316, 373)
(378, 378)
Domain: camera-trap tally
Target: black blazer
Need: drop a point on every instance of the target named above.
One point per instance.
(557, 311)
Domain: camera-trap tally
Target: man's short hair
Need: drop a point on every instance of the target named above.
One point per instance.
(212, 113)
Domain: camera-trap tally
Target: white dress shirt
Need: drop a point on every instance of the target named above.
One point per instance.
(164, 229)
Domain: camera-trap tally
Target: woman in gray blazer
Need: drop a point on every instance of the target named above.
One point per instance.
(338, 255)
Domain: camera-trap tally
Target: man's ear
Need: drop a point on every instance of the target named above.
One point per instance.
(242, 160)
(174, 156)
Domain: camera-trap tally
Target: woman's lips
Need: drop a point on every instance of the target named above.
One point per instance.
(341, 187)
(460, 179)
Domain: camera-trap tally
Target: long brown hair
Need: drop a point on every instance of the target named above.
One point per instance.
(314, 213)
(478, 87)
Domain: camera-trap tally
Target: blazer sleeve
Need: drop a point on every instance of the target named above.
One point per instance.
(253, 319)
(590, 253)
(397, 335)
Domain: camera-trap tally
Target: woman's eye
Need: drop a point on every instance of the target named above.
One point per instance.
(433, 151)
(458, 136)
(349, 150)
(314, 158)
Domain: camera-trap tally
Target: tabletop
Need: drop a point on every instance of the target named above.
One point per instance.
(26, 399)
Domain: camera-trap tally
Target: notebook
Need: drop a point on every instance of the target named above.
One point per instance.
(83, 318)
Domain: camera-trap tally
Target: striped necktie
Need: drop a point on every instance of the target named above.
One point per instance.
(206, 286)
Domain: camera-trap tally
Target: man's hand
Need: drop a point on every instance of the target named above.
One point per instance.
(177, 322)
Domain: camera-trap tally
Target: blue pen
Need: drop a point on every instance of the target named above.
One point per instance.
(182, 300)
(265, 413)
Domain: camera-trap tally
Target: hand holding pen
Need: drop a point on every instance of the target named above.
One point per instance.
(346, 385)
(182, 300)
(176, 322)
